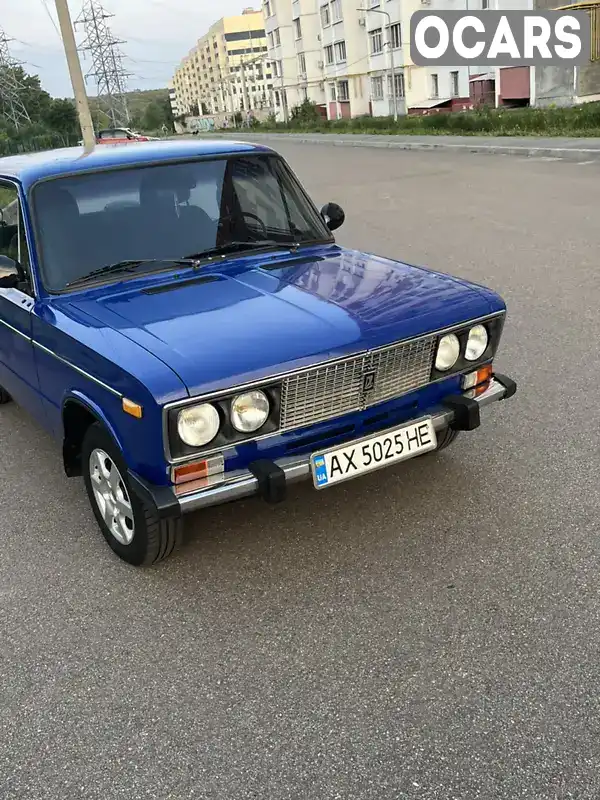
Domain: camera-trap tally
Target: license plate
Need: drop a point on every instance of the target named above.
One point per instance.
(342, 463)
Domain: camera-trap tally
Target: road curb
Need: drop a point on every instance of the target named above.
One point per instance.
(563, 153)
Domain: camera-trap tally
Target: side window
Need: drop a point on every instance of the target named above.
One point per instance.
(12, 233)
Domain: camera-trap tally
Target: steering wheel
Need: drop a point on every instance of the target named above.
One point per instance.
(263, 227)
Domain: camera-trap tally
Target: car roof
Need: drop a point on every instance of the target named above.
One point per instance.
(28, 168)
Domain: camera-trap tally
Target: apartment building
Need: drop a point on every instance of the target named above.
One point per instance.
(342, 54)
(316, 56)
(227, 71)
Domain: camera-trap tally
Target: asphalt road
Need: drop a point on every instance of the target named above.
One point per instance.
(429, 631)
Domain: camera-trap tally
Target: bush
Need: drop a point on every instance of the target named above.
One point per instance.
(581, 120)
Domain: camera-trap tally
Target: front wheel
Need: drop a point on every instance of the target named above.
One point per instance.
(131, 528)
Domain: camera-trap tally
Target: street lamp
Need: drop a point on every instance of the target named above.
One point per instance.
(391, 50)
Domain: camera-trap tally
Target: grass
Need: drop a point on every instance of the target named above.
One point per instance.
(577, 121)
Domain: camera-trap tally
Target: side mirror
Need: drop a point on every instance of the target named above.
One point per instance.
(333, 215)
(8, 265)
(12, 274)
(9, 273)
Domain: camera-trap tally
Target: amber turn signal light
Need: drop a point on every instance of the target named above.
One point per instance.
(477, 382)
(133, 409)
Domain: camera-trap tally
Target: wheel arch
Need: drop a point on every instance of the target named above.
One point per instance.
(78, 414)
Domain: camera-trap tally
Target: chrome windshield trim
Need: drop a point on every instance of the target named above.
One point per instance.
(80, 371)
(203, 398)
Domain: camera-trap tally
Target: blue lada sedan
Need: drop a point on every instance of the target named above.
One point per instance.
(182, 320)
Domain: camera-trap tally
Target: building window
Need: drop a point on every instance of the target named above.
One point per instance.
(376, 41)
(454, 84)
(340, 52)
(398, 84)
(271, 39)
(336, 10)
(276, 37)
(304, 93)
(275, 69)
(301, 63)
(325, 16)
(377, 88)
(343, 91)
(329, 54)
(297, 28)
(277, 100)
(332, 92)
(435, 86)
(396, 35)
(267, 8)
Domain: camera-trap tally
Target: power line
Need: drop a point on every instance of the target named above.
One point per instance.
(107, 62)
(12, 107)
(52, 20)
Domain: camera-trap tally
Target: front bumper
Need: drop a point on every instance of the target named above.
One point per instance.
(270, 478)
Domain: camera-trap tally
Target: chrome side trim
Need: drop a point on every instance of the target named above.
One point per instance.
(15, 330)
(203, 398)
(80, 371)
(242, 483)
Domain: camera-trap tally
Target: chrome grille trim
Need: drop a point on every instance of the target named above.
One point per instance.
(330, 390)
(234, 389)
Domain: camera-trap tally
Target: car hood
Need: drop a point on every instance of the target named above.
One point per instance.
(271, 314)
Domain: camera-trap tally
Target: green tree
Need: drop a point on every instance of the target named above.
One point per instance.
(35, 99)
(62, 117)
(153, 117)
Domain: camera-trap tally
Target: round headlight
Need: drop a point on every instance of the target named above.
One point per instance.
(198, 425)
(447, 353)
(249, 411)
(476, 343)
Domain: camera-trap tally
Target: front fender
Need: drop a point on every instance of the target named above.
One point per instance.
(139, 440)
(78, 411)
(95, 410)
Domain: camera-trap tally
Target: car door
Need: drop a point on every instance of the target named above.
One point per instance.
(18, 373)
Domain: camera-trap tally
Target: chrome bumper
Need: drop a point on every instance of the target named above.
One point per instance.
(244, 483)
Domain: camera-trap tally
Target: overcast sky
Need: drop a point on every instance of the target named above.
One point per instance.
(158, 35)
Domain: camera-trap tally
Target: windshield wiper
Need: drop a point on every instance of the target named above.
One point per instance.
(236, 246)
(130, 265)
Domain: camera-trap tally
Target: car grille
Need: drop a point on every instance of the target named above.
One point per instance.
(331, 390)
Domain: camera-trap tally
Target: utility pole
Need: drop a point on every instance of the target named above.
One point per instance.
(77, 81)
(244, 87)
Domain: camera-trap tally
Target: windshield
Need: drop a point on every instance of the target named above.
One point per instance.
(86, 222)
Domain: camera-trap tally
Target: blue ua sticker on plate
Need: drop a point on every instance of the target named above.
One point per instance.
(320, 470)
(366, 455)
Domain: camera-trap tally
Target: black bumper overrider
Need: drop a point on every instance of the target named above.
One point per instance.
(269, 479)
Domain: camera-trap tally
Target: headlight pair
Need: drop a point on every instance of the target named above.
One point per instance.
(449, 348)
(198, 425)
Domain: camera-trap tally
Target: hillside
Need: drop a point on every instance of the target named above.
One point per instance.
(149, 109)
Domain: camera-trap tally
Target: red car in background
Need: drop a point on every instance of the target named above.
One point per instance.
(120, 136)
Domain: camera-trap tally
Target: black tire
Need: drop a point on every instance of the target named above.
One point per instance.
(445, 439)
(153, 539)
(4, 397)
